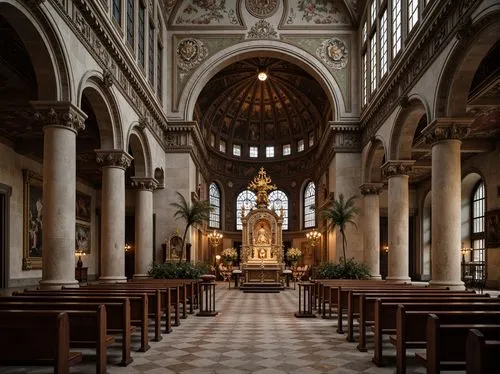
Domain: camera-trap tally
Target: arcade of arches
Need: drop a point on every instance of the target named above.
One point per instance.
(119, 104)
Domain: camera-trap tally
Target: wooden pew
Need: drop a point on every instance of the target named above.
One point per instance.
(482, 353)
(36, 337)
(411, 325)
(386, 309)
(365, 298)
(155, 310)
(367, 306)
(172, 295)
(446, 344)
(87, 325)
(117, 315)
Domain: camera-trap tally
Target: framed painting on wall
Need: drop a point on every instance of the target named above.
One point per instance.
(32, 220)
(82, 238)
(83, 208)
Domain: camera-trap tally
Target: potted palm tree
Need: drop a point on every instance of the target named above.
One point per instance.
(192, 214)
(340, 213)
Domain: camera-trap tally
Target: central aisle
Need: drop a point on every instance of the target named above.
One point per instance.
(253, 333)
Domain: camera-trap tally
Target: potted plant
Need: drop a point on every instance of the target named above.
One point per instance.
(293, 255)
(192, 214)
(229, 255)
(340, 213)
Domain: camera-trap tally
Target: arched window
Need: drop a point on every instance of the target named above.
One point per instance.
(214, 199)
(478, 234)
(247, 200)
(277, 201)
(309, 199)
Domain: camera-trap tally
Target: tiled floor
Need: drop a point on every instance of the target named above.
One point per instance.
(253, 333)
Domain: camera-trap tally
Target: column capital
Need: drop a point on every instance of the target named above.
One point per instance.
(394, 168)
(113, 158)
(447, 129)
(144, 184)
(371, 188)
(59, 113)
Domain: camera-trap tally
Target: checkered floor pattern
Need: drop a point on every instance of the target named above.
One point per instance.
(253, 333)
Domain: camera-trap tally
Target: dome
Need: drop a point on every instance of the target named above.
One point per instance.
(241, 114)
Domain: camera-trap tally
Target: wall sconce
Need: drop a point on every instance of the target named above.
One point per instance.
(313, 237)
(464, 251)
(385, 248)
(79, 253)
(127, 247)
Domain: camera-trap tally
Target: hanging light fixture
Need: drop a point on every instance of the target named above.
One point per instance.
(262, 74)
(313, 237)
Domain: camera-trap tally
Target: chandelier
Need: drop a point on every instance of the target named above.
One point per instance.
(215, 238)
(313, 237)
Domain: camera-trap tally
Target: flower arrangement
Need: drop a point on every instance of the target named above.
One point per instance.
(293, 255)
(229, 255)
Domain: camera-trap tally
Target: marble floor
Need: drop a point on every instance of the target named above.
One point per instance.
(253, 333)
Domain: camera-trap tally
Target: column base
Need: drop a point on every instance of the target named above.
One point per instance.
(398, 279)
(58, 284)
(116, 279)
(452, 285)
(376, 277)
(141, 276)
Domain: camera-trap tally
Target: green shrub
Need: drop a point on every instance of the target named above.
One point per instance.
(182, 270)
(350, 269)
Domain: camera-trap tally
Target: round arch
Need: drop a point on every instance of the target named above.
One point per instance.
(371, 172)
(44, 48)
(138, 143)
(105, 107)
(405, 125)
(254, 48)
(465, 57)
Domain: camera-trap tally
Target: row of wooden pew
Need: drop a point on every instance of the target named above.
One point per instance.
(454, 330)
(42, 326)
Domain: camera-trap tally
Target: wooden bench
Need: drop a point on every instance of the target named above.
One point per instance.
(138, 307)
(361, 304)
(482, 352)
(368, 308)
(36, 337)
(446, 344)
(87, 325)
(411, 325)
(171, 296)
(117, 315)
(386, 310)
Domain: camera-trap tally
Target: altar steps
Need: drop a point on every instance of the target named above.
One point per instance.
(261, 287)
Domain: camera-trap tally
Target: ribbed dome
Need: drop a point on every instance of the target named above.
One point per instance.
(237, 108)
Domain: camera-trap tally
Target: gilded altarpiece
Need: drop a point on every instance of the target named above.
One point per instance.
(262, 257)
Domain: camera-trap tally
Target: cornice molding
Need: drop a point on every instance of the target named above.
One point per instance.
(441, 25)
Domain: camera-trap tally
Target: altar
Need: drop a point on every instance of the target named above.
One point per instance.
(262, 241)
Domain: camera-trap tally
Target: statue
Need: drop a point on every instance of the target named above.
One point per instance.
(262, 184)
(262, 236)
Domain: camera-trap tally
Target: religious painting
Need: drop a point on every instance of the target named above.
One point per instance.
(33, 218)
(83, 209)
(493, 229)
(315, 13)
(174, 248)
(82, 238)
(206, 12)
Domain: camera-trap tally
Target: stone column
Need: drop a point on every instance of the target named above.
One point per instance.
(397, 174)
(61, 123)
(445, 137)
(371, 225)
(113, 163)
(143, 224)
